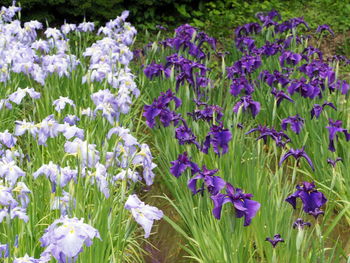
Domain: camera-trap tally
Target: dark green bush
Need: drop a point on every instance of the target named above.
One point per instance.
(218, 18)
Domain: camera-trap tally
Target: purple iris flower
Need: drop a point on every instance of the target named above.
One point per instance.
(296, 123)
(202, 37)
(280, 95)
(189, 71)
(343, 86)
(309, 51)
(184, 135)
(318, 69)
(208, 114)
(334, 162)
(325, 27)
(311, 198)
(247, 29)
(290, 24)
(248, 103)
(297, 154)
(262, 129)
(181, 164)
(267, 18)
(189, 38)
(317, 109)
(185, 36)
(246, 65)
(159, 107)
(219, 138)
(290, 58)
(154, 69)
(300, 224)
(307, 90)
(270, 49)
(316, 212)
(276, 239)
(239, 84)
(213, 183)
(185, 32)
(275, 78)
(245, 43)
(333, 128)
(241, 202)
(280, 138)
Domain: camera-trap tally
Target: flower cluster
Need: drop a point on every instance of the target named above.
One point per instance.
(65, 237)
(311, 198)
(109, 60)
(98, 165)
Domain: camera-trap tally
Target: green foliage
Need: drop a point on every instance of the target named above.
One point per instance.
(218, 18)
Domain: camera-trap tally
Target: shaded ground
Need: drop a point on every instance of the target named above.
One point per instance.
(165, 246)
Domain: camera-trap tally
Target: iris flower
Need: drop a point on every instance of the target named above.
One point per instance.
(290, 58)
(334, 162)
(18, 95)
(239, 84)
(208, 113)
(160, 107)
(317, 109)
(248, 103)
(10, 171)
(325, 27)
(311, 198)
(219, 138)
(280, 95)
(4, 250)
(184, 135)
(333, 128)
(181, 164)
(14, 212)
(296, 123)
(65, 237)
(87, 153)
(276, 239)
(154, 69)
(143, 214)
(241, 202)
(213, 183)
(280, 138)
(297, 154)
(60, 103)
(300, 224)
